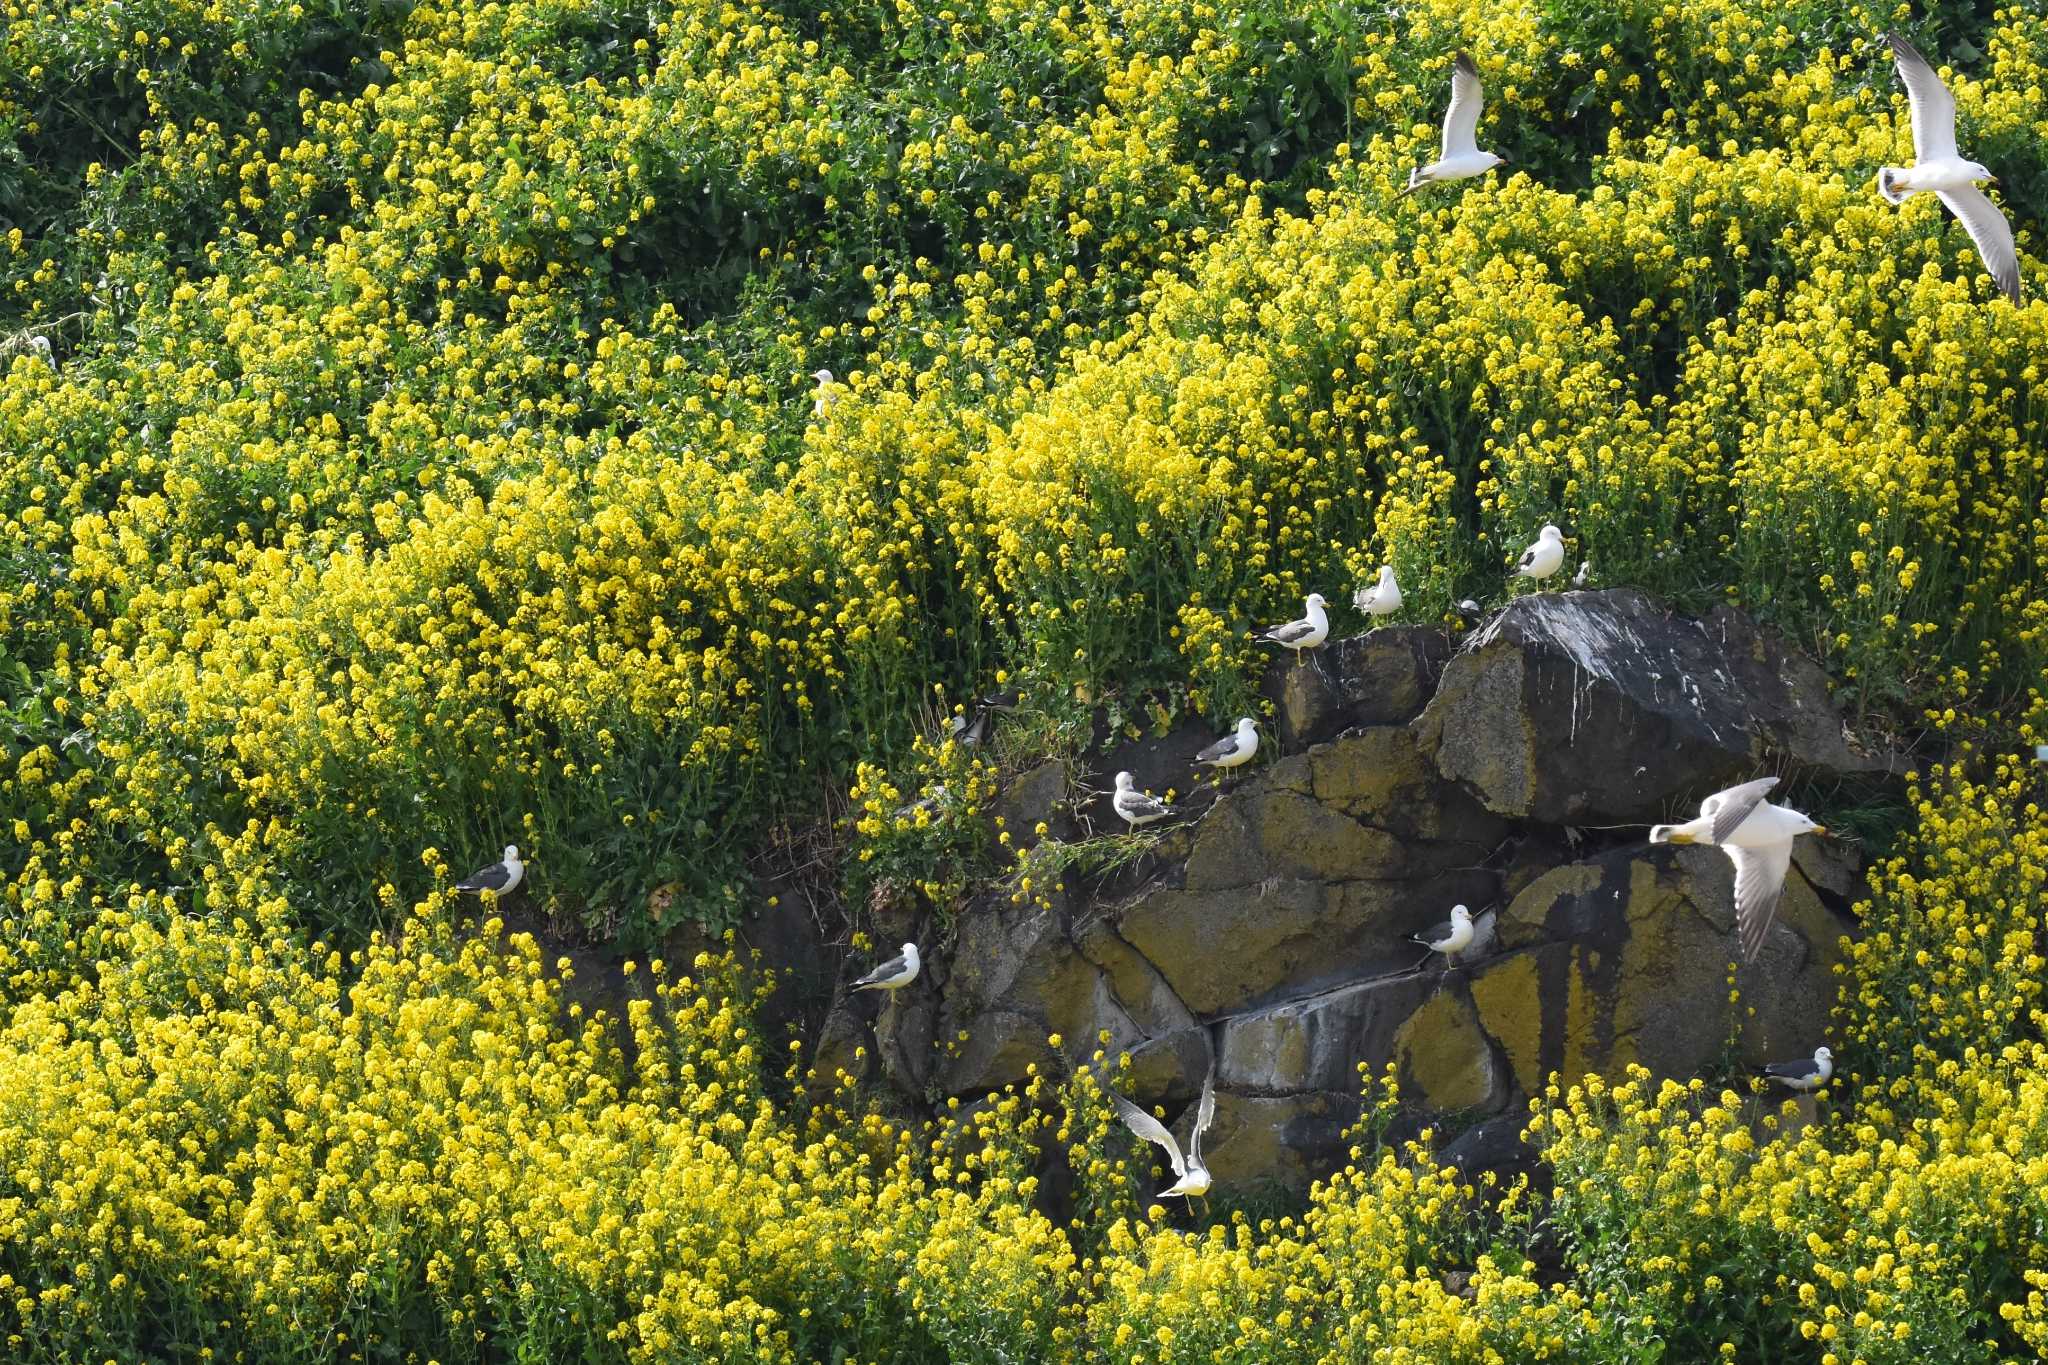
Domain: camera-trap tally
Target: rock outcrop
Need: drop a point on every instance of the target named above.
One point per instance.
(1266, 935)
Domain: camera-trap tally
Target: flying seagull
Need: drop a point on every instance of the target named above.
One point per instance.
(501, 879)
(1192, 1177)
(1233, 750)
(824, 396)
(1382, 598)
(1461, 159)
(1451, 937)
(893, 975)
(1136, 807)
(1808, 1073)
(1311, 630)
(1757, 837)
(1543, 558)
(1940, 170)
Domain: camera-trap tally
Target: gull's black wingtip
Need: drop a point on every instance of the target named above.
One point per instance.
(1464, 63)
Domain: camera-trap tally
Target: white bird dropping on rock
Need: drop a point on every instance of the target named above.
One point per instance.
(1382, 598)
(1311, 630)
(1136, 807)
(1233, 750)
(500, 878)
(1461, 158)
(1544, 558)
(1757, 837)
(893, 975)
(1806, 1074)
(824, 396)
(1191, 1176)
(1940, 170)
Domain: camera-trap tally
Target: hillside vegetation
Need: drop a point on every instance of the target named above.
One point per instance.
(423, 459)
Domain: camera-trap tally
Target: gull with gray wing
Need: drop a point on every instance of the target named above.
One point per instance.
(1191, 1176)
(1757, 837)
(1939, 169)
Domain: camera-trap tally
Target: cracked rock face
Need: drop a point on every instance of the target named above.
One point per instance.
(1266, 937)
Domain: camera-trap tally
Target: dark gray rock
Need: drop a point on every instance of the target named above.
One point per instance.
(1384, 677)
(1591, 707)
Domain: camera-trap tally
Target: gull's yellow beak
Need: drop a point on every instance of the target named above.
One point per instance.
(1821, 830)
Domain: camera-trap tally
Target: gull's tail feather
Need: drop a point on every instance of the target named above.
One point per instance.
(1416, 181)
(1887, 185)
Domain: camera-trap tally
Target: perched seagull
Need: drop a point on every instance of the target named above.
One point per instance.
(928, 802)
(1757, 837)
(1469, 612)
(1544, 558)
(1584, 575)
(1233, 750)
(970, 726)
(1939, 169)
(824, 396)
(1136, 807)
(1450, 938)
(1461, 159)
(893, 975)
(501, 879)
(1804, 1074)
(1382, 598)
(1192, 1177)
(1311, 630)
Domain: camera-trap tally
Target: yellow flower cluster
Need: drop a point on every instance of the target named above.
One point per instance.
(405, 440)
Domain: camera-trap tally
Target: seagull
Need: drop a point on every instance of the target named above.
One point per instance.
(1382, 598)
(1461, 159)
(928, 802)
(41, 346)
(1469, 612)
(1543, 558)
(1136, 807)
(1584, 575)
(1757, 837)
(968, 727)
(1804, 1074)
(1192, 1177)
(1311, 630)
(824, 396)
(1450, 938)
(893, 975)
(1233, 750)
(1939, 169)
(501, 879)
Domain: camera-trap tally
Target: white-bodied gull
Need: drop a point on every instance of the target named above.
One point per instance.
(1234, 750)
(893, 975)
(1383, 598)
(1191, 1176)
(824, 396)
(1584, 575)
(1808, 1073)
(1940, 170)
(1757, 837)
(1461, 158)
(1311, 630)
(1544, 558)
(500, 878)
(1136, 807)
(1451, 937)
